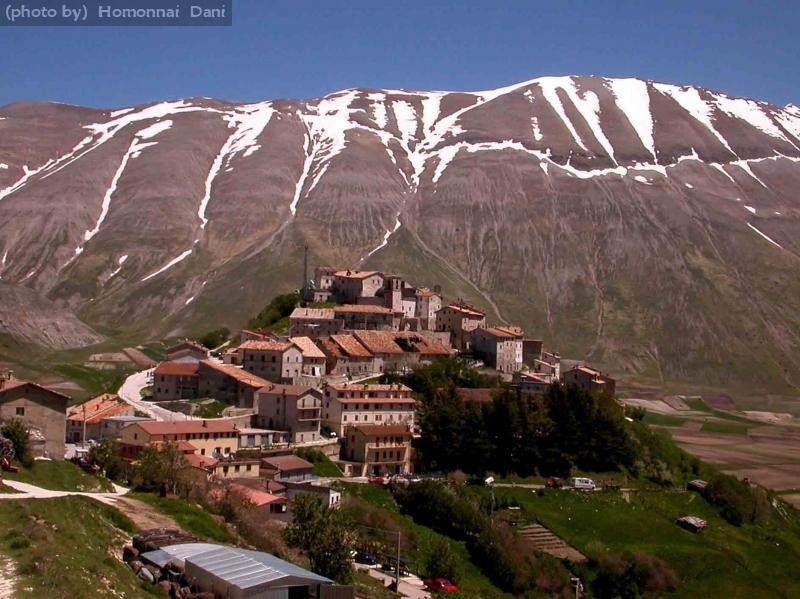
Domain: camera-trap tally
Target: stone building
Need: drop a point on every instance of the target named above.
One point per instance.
(353, 404)
(499, 347)
(460, 320)
(175, 380)
(276, 361)
(294, 408)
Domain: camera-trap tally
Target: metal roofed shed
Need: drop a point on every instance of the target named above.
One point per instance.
(236, 573)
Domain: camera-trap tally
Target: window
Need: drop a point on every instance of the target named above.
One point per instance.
(19, 411)
(248, 467)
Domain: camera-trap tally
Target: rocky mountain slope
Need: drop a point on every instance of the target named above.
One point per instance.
(653, 229)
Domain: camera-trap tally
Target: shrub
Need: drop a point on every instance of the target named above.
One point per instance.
(737, 501)
(17, 432)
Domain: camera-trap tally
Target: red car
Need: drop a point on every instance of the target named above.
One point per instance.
(378, 480)
(440, 584)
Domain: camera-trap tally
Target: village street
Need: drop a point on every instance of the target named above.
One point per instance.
(130, 392)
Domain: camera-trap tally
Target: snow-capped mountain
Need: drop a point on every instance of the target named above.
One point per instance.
(652, 228)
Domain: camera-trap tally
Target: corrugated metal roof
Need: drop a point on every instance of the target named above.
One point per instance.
(241, 568)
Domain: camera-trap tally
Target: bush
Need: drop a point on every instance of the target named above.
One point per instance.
(737, 501)
(17, 432)
(630, 575)
(215, 338)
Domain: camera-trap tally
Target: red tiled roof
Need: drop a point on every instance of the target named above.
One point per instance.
(501, 332)
(290, 390)
(287, 462)
(15, 383)
(94, 407)
(379, 342)
(350, 346)
(242, 376)
(176, 369)
(114, 410)
(187, 345)
(466, 310)
(356, 274)
(421, 344)
(266, 345)
(183, 427)
(256, 497)
(361, 309)
(311, 314)
(375, 430)
(308, 347)
(200, 461)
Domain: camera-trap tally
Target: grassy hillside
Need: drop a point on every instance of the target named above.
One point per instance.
(68, 547)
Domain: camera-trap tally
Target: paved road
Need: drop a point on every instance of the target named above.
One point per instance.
(28, 491)
(410, 586)
(130, 392)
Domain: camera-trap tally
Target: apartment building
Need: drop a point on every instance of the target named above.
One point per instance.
(379, 449)
(350, 285)
(276, 361)
(228, 383)
(212, 438)
(353, 404)
(293, 408)
(499, 347)
(460, 320)
(176, 380)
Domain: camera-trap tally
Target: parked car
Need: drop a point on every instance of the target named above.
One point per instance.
(584, 484)
(554, 483)
(440, 584)
(389, 564)
(378, 480)
(363, 557)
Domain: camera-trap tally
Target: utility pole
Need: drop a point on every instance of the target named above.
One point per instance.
(83, 436)
(304, 286)
(397, 566)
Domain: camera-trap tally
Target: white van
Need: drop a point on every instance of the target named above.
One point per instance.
(586, 484)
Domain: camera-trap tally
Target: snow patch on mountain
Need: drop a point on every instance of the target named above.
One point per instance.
(168, 265)
(588, 104)
(550, 86)
(633, 100)
(116, 271)
(772, 241)
(750, 112)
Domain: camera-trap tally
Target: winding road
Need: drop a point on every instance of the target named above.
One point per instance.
(130, 392)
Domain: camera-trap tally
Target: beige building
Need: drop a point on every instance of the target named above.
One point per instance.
(499, 347)
(367, 317)
(175, 380)
(590, 379)
(460, 320)
(313, 323)
(294, 408)
(213, 438)
(313, 356)
(43, 411)
(428, 304)
(276, 361)
(227, 383)
(187, 351)
(353, 404)
(349, 285)
(379, 449)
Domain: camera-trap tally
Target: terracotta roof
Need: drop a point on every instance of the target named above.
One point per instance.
(475, 395)
(374, 430)
(350, 346)
(97, 406)
(501, 332)
(187, 345)
(466, 310)
(266, 345)
(532, 377)
(379, 342)
(356, 274)
(312, 314)
(200, 461)
(115, 410)
(256, 497)
(290, 390)
(425, 292)
(369, 387)
(587, 370)
(308, 347)
(421, 344)
(177, 369)
(242, 376)
(287, 462)
(15, 383)
(362, 309)
(183, 427)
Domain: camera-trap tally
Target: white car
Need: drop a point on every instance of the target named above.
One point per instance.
(585, 484)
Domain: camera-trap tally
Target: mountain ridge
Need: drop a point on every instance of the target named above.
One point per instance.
(531, 197)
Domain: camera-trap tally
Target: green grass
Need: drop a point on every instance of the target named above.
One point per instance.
(415, 539)
(209, 408)
(663, 419)
(721, 561)
(95, 380)
(62, 549)
(371, 588)
(728, 428)
(190, 516)
(323, 466)
(60, 475)
(697, 404)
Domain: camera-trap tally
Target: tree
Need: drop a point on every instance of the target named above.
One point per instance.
(160, 468)
(215, 338)
(106, 455)
(324, 535)
(441, 561)
(17, 432)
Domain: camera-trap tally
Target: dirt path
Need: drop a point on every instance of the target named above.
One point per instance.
(7, 578)
(143, 515)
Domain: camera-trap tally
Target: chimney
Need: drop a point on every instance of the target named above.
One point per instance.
(205, 424)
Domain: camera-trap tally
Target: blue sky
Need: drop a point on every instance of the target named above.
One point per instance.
(302, 49)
